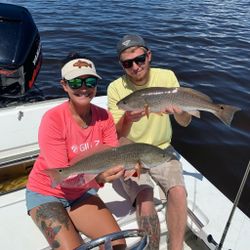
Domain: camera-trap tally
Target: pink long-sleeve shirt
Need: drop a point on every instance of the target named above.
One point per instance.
(61, 139)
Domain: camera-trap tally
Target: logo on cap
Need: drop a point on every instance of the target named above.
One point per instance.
(126, 43)
(80, 64)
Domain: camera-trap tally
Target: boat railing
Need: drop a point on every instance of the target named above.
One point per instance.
(107, 240)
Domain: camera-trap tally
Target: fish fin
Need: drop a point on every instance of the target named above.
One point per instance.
(138, 168)
(130, 173)
(196, 94)
(136, 172)
(55, 175)
(147, 110)
(226, 113)
(125, 141)
(89, 177)
(195, 113)
(144, 168)
(183, 119)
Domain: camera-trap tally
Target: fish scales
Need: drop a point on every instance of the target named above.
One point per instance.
(108, 158)
(128, 155)
(160, 98)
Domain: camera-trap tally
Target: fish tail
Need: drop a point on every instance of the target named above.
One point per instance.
(55, 176)
(226, 113)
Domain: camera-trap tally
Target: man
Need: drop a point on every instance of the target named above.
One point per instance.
(135, 57)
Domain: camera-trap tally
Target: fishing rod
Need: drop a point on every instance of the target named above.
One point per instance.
(236, 201)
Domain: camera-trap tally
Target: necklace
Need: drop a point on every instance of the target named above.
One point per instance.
(85, 121)
(85, 125)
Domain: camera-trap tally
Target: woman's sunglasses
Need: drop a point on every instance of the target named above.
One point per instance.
(139, 60)
(77, 83)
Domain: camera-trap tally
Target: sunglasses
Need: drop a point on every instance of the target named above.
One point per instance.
(139, 60)
(77, 83)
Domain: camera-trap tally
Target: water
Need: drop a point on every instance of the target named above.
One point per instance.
(207, 45)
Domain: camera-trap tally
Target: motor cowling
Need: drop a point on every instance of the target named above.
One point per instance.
(20, 50)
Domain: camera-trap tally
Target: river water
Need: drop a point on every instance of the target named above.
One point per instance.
(205, 42)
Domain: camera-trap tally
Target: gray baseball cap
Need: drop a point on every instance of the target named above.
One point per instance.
(130, 41)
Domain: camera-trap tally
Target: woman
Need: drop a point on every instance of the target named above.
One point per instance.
(65, 132)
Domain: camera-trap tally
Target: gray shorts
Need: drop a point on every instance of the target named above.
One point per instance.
(166, 175)
(34, 199)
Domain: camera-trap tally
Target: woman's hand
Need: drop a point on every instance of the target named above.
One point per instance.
(110, 174)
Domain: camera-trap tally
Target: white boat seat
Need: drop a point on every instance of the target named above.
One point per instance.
(114, 196)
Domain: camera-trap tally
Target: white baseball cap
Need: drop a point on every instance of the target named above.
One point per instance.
(78, 67)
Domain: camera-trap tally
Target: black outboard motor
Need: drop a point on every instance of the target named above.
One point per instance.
(20, 51)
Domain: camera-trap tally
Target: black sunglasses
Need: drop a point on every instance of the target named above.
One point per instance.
(77, 83)
(139, 60)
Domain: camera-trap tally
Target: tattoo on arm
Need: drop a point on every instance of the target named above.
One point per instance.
(50, 218)
(152, 226)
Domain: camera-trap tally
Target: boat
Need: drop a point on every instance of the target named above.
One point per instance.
(208, 208)
(214, 222)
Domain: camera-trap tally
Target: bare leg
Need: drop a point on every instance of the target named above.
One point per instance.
(94, 219)
(56, 226)
(147, 217)
(176, 217)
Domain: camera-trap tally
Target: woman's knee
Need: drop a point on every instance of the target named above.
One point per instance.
(56, 226)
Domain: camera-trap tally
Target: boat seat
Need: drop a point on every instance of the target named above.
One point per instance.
(114, 196)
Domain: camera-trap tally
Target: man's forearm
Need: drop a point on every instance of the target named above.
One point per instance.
(123, 126)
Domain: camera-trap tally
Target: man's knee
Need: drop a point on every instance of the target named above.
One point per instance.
(145, 202)
(144, 195)
(177, 191)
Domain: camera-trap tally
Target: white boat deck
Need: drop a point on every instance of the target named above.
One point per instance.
(209, 209)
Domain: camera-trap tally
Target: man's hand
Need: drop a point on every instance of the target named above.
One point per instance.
(133, 116)
(173, 110)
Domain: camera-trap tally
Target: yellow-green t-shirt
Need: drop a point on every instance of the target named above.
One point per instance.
(156, 129)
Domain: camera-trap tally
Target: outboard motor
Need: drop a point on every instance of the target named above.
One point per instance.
(20, 51)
